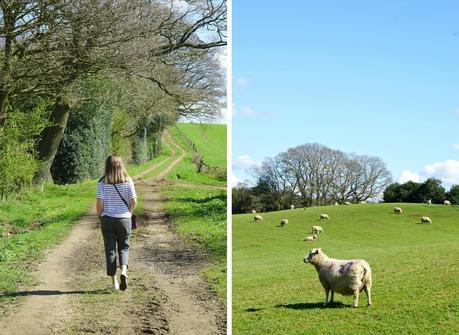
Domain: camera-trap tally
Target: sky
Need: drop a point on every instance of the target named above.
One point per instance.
(368, 77)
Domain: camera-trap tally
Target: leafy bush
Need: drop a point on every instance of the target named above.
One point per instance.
(86, 142)
(17, 140)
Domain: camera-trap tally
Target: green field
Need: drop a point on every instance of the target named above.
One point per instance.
(209, 139)
(415, 271)
(197, 203)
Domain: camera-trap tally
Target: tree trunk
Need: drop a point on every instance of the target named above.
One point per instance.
(3, 102)
(50, 139)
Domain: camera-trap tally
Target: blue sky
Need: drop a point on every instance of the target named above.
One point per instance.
(370, 77)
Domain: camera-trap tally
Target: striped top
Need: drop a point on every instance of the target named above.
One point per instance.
(113, 205)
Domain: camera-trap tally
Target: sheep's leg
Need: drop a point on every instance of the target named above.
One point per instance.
(332, 296)
(326, 297)
(356, 299)
(368, 293)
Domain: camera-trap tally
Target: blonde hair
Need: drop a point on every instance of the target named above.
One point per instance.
(115, 173)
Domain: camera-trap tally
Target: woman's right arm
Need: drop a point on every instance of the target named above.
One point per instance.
(99, 207)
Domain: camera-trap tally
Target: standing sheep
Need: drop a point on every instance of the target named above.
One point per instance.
(362, 202)
(347, 203)
(254, 211)
(429, 202)
(310, 238)
(426, 219)
(292, 206)
(398, 210)
(324, 217)
(283, 222)
(447, 203)
(258, 218)
(317, 229)
(347, 277)
(336, 204)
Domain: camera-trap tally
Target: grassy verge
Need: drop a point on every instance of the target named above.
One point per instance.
(39, 220)
(199, 214)
(415, 271)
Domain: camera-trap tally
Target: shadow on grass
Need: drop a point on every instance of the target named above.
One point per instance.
(50, 292)
(312, 305)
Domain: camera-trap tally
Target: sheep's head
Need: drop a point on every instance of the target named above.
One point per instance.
(313, 253)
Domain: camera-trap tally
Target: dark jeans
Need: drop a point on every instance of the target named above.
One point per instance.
(115, 231)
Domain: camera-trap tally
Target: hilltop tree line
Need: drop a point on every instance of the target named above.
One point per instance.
(411, 191)
(80, 79)
(312, 175)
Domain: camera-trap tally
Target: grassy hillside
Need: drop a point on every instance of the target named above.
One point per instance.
(197, 203)
(415, 271)
(209, 139)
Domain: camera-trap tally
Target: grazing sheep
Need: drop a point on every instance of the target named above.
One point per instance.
(347, 203)
(258, 218)
(336, 204)
(429, 202)
(324, 217)
(447, 203)
(254, 211)
(292, 206)
(362, 202)
(283, 222)
(426, 219)
(317, 229)
(347, 277)
(310, 238)
(398, 210)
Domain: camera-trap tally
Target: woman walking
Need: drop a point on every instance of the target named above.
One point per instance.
(116, 201)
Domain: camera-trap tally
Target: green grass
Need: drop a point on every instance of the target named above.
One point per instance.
(187, 170)
(415, 271)
(199, 214)
(209, 139)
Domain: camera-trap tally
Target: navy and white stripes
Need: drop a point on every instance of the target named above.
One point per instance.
(113, 205)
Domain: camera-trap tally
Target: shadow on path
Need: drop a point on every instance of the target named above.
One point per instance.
(51, 292)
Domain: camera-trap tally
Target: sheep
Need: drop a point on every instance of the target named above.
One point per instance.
(347, 203)
(258, 218)
(292, 206)
(310, 238)
(362, 202)
(426, 219)
(447, 203)
(324, 217)
(317, 229)
(283, 222)
(336, 204)
(254, 211)
(429, 202)
(347, 277)
(398, 210)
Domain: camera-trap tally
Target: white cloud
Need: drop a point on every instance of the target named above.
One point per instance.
(408, 175)
(245, 162)
(456, 146)
(242, 82)
(244, 111)
(234, 180)
(447, 172)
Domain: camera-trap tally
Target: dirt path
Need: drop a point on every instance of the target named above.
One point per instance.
(166, 294)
